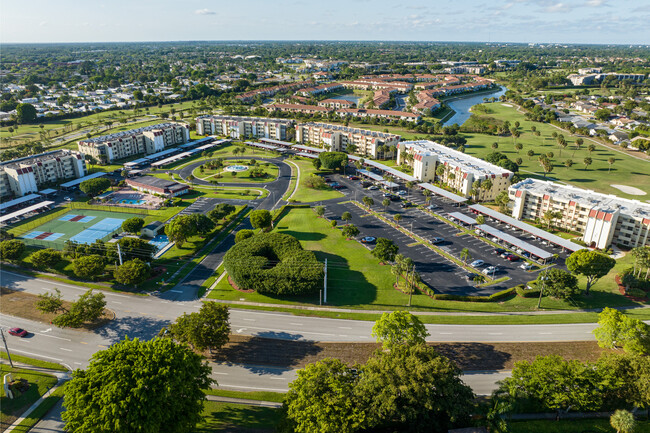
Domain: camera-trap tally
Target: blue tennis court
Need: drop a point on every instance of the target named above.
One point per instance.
(32, 235)
(98, 231)
(77, 218)
(160, 241)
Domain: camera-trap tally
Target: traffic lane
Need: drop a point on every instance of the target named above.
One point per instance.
(52, 421)
(484, 382)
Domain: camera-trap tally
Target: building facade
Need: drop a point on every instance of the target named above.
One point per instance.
(154, 185)
(146, 140)
(26, 175)
(240, 127)
(602, 219)
(461, 172)
(340, 138)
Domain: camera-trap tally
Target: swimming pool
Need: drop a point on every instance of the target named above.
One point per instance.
(160, 242)
(236, 168)
(131, 201)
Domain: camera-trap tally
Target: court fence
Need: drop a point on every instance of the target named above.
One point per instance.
(31, 224)
(77, 205)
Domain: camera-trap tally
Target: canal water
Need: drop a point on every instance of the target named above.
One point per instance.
(350, 97)
(461, 105)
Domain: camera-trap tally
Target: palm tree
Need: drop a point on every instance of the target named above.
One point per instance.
(410, 184)
(611, 162)
(480, 220)
(385, 202)
(591, 148)
(495, 145)
(518, 147)
(397, 217)
(368, 202)
(346, 216)
(427, 195)
(579, 142)
(623, 421)
(530, 154)
(465, 255)
(587, 161)
(568, 163)
(440, 170)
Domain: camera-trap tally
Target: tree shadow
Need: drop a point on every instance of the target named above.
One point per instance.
(232, 418)
(142, 327)
(304, 236)
(474, 356)
(268, 352)
(344, 285)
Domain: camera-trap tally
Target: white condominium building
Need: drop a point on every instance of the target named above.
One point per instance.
(146, 140)
(244, 127)
(460, 172)
(602, 219)
(26, 175)
(338, 138)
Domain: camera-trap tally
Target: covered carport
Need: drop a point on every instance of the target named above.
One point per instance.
(463, 218)
(457, 199)
(515, 242)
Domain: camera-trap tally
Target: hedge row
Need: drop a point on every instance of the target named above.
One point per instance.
(274, 263)
(528, 293)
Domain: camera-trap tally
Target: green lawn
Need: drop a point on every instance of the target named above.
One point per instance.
(225, 151)
(229, 418)
(356, 280)
(277, 397)
(35, 362)
(571, 426)
(626, 170)
(13, 408)
(272, 171)
(308, 195)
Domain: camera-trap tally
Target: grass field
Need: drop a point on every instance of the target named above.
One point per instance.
(308, 195)
(12, 409)
(243, 177)
(626, 170)
(230, 418)
(70, 229)
(356, 280)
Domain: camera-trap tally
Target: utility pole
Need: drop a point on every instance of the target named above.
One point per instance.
(119, 253)
(325, 284)
(2, 332)
(410, 286)
(541, 291)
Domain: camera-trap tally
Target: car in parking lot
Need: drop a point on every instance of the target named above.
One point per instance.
(365, 183)
(512, 258)
(499, 251)
(491, 270)
(432, 207)
(504, 254)
(435, 241)
(406, 204)
(373, 187)
(17, 332)
(470, 276)
(353, 177)
(495, 239)
(368, 240)
(387, 194)
(394, 198)
(527, 266)
(401, 192)
(327, 179)
(67, 199)
(477, 263)
(338, 186)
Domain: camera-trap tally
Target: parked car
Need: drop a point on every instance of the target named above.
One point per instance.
(394, 198)
(327, 179)
(525, 254)
(373, 187)
(499, 251)
(477, 263)
(491, 270)
(504, 255)
(387, 194)
(353, 177)
(527, 266)
(67, 199)
(365, 183)
(368, 240)
(513, 258)
(401, 192)
(406, 204)
(435, 241)
(495, 239)
(338, 186)
(432, 207)
(470, 276)
(18, 332)
(333, 184)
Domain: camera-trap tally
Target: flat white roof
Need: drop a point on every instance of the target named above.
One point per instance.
(21, 212)
(444, 193)
(532, 249)
(371, 175)
(564, 243)
(81, 179)
(19, 200)
(308, 148)
(462, 217)
(47, 191)
(278, 142)
(261, 145)
(307, 155)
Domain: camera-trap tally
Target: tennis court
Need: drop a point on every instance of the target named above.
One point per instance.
(83, 226)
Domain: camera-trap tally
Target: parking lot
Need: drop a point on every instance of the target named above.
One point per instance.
(438, 272)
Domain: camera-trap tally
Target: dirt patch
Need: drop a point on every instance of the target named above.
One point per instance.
(234, 286)
(468, 356)
(629, 189)
(22, 304)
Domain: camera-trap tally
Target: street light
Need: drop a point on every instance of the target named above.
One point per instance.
(2, 332)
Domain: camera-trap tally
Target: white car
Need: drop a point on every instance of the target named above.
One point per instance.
(527, 266)
(401, 192)
(67, 199)
(373, 188)
(477, 263)
(490, 270)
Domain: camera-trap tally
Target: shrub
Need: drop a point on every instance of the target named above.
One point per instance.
(493, 297)
(525, 292)
(243, 234)
(637, 293)
(273, 263)
(11, 249)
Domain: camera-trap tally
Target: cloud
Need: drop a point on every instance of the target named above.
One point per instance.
(43, 23)
(557, 7)
(596, 3)
(204, 12)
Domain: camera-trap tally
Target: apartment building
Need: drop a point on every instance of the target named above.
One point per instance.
(240, 127)
(271, 91)
(586, 79)
(602, 219)
(146, 140)
(336, 103)
(300, 108)
(460, 172)
(26, 175)
(379, 114)
(338, 138)
(321, 89)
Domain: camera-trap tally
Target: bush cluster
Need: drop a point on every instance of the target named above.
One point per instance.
(275, 264)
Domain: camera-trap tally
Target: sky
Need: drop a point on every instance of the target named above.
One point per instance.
(529, 21)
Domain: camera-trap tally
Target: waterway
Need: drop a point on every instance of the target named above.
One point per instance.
(348, 97)
(461, 104)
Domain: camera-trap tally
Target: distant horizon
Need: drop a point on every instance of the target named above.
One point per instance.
(574, 22)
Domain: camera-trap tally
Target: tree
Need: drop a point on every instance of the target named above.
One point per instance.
(530, 154)
(46, 258)
(132, 273)
(243, 234)
(180, 229)
(480, 220)
(134, 248)
(587, 162)
(602, 114)
(93, 187)
(202, 224)
(314, 182)
(88, 308)
(397, 217)
(209, 328)
(615, 329)
(560, 284)
(25, 113)
(320, 211)
(346, 216)
(11, 249)
(411, 388)
(350, 231)
(495, 145)
(591, 264)
(261, 219)
(316, 163)
(518, 147)
(323, 399)
(145, 386)
(611, 162)
(133, 225)
(579, 142)
(623, 421)
(220, 211)
(591, 148)
(568, 163)
(385, 250)
(50, 302)
(385, 203)
(333, 160)
(399, 327)
(88, 266)
(368, 201)
(465, 255)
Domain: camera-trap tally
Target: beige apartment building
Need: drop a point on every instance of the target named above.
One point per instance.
(26, 175)
(460, 172)
(145, 140)
(338, 138)
(244, 127)
(602, 219)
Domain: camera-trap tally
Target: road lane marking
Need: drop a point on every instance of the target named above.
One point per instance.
(116, 302)
(37, 355)
(344, 327)
(295, 324)
(445, 333)
(288, 331)
(249, 320)
(53, 336)
(220, 374)
(78, 363)
(67, 350)
(253, 387)
(277, 378)
(83, 342)
(495, 333)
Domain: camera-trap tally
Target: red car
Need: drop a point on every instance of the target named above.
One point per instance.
(512, 258)
(18, 332)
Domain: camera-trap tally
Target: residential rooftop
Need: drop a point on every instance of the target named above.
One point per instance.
(35, 159)
(348, 129)
(121, 134)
